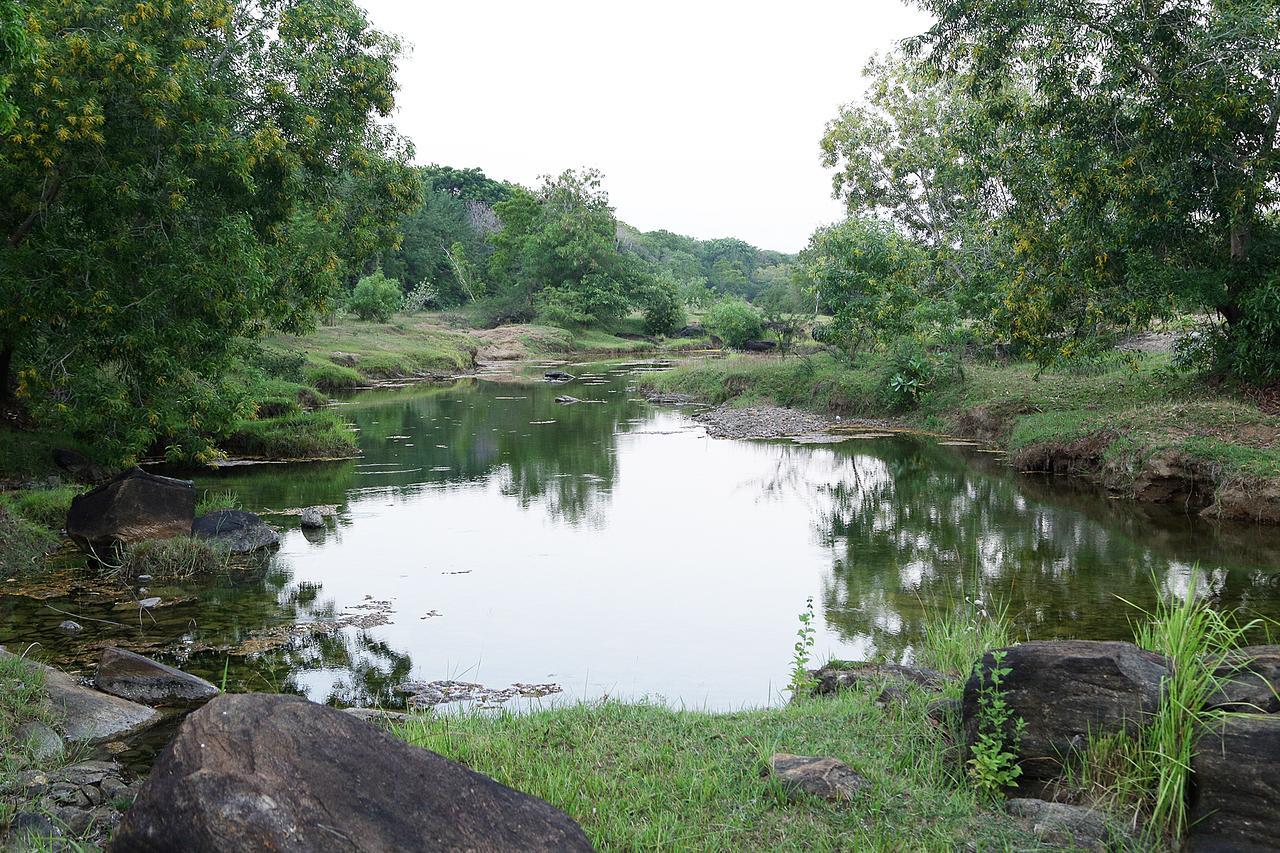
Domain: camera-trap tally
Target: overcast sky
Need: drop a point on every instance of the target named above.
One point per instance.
(704, 115)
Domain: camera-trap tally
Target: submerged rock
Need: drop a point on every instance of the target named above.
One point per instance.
(558, 376)
(1236, 797)
(139, 679)
(252, 772)
(311, 518)
(88, 715)
(818, 777)
(1066, 691)
(242, 532)
(131, 507)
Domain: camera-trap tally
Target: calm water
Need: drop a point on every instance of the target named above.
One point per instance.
(491, 535)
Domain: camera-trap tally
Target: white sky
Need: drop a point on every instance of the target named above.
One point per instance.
(704, 115)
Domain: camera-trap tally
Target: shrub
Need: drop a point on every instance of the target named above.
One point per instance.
(23, 545)
(734, 321)
(375, 297)
(911, 371)
(423, 296)
(663, 310)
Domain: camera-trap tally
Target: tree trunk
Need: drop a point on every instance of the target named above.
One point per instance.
(6, 368)
(1241, 238)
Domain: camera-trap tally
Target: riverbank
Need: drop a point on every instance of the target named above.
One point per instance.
(1144, 431)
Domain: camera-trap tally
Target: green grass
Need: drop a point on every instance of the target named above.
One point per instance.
(28, 455)
(23, 544)
(403, 348)
(46, 507)
(21, 690)
(645, 777)
(956, 637)
(310, 435)
(172, 559)
(211, 500)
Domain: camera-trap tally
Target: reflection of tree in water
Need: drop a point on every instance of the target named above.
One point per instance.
(914, 526)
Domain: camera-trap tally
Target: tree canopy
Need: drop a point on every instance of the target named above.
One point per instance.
(181, 174)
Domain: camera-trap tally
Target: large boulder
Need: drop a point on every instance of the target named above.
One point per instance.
(86, 715)
(1066, 691)
(131, 507)
(1236, 796)
(140, 679)
(252, 772)
(242, 532)
(1250, 681)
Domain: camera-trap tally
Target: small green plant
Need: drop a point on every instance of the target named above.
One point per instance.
(802, 681)
(211, 501)
(993, 762)
(957, 635)
(375, 297)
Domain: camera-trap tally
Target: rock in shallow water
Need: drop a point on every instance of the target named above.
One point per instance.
(242, 532)
(131, 676)
(132, 507)
(311, 519)
(258, 772)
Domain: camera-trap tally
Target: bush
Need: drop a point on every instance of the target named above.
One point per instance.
(424, 295)
(663, 310)
(911, 371)
(375, 297)
(734, 321)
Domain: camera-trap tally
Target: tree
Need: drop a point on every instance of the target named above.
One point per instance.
(13, 52)
(734, 321)
(182, 174)
(1153, 129)
(557, 252)
(663, 307)
(376, 297)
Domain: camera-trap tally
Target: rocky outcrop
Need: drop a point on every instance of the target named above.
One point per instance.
(1236, 795)
(759, 346)
(1250, 681)
(87, 715)
(132, 507)
(816, 777)
(80, 802)
(1171, 476)
(558, 376)
(139, 679)
(840, 675)
(255, 772)
(1066, 691)
(242, 532)
(1064, 827)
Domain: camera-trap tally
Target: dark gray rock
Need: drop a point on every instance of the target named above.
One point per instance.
(44, 744)
(88, 715)
(944, 711)
(1065, 691)
(690, 331)
(311, 519)
(1061, 825)
(139, 679)
(131, 507)
(1236, 796)
(1251, 681)
(69, 627)
(29, 826)
(242, 532)
(817, 777)
(252, 772)
(81, 468)
(760, 346)
(558, 376)
(843, 675)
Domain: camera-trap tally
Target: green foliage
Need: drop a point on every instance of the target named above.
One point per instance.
(375, 297)
(993, 758)
(733, 321)
(312, 435)
(45, 507)
(153, 215)
(913, 370)
(663, 306)
(211, 501)
(957, 636)
(802, 681)
(1137, 160)
(13, 52)
(23, 544)
(557, 253)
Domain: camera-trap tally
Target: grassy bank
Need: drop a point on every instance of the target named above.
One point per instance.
(1142, 429)
(644, 777)
(21, 694)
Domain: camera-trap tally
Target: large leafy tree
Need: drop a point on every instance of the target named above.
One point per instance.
(180, 174)
(13, 51)
(558, 254)
(1153, 130)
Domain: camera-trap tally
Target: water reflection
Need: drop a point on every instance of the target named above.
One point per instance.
(490, 534)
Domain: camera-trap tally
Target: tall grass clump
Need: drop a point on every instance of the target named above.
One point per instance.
(1147, 776)
(212, 501)
(957, 636)
(172, 559)
(23, 544)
